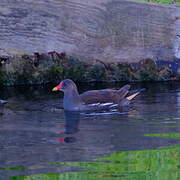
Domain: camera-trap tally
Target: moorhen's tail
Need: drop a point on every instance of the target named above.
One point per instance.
(131, 95)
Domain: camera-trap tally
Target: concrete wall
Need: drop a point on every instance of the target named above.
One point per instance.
(108, 30)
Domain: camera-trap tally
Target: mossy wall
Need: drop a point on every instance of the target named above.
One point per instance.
(54, 66)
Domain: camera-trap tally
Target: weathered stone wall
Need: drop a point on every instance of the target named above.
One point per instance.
(108, 30)
(177, 32)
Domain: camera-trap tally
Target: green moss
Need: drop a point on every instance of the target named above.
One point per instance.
(6, 78)
(96, 72)
(52, 68)
(3, 77)
(145, 75)
(54, 73)
(148, 70)
(165, 135)
(23, 78)
(76, 71)
(122, 72)
(164, 74)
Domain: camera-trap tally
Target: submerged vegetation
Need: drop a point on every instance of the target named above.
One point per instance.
(53, 66)
(165, 135)
(147, 164)
(176, 2)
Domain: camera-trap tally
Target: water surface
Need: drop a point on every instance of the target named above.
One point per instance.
(35, 132)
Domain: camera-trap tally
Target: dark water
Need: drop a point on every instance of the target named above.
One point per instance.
(35, 131)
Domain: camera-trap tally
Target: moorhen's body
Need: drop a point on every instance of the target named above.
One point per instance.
(73, 101)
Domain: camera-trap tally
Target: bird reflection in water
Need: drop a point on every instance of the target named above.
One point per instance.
(71, 126)
(2, 103)
(72, 120)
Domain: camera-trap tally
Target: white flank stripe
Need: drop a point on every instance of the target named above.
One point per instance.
(95, 104)
(106, 104)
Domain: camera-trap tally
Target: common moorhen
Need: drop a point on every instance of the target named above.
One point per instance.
(94, 99)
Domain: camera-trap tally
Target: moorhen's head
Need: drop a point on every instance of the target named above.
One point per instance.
(65, 85)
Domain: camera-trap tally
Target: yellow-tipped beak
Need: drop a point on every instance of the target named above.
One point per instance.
(58, 87)
(55, 89)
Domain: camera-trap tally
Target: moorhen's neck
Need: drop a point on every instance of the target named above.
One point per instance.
(72, 101)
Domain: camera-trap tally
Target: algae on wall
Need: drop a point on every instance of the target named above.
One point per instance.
(54, 66)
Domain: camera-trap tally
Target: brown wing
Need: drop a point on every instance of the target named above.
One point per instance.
(105, 95)
(96, 96)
